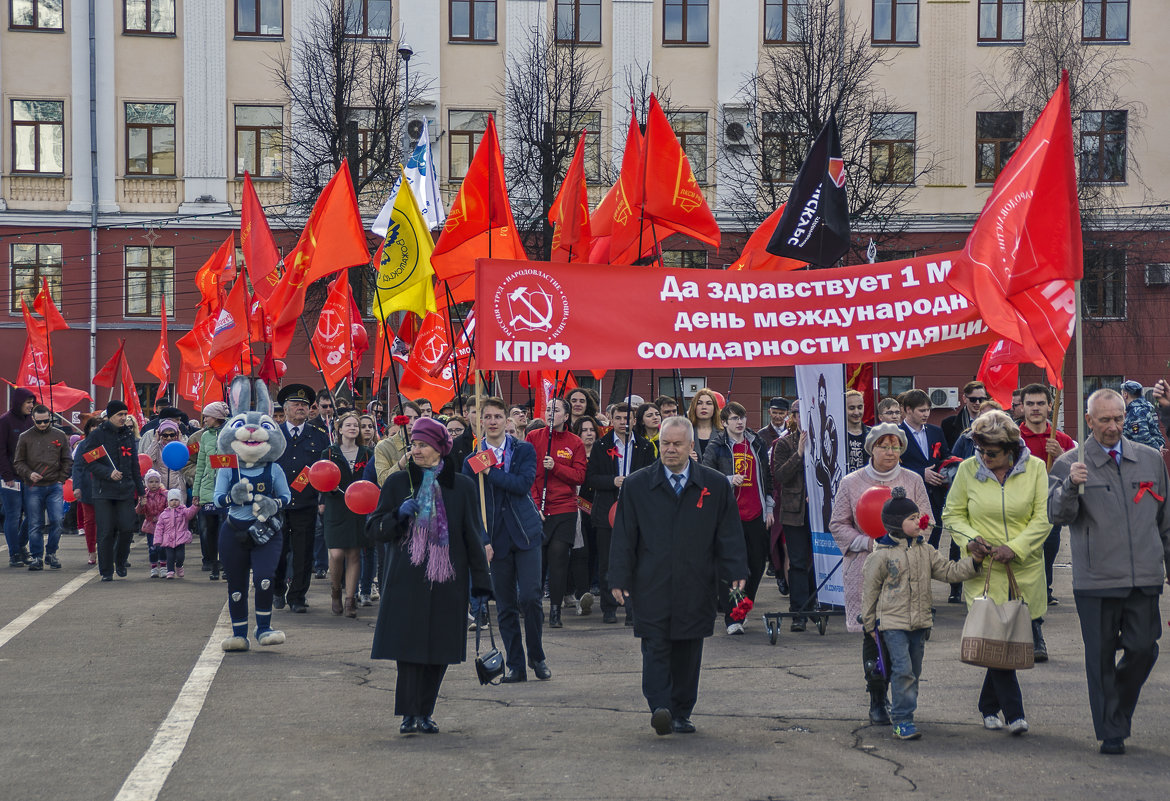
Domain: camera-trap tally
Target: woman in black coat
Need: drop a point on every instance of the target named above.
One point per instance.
(422, 621)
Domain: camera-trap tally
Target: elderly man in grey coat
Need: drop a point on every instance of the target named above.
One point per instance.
(1120, 539)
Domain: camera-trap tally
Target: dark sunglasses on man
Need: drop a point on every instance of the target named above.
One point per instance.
(44, 421)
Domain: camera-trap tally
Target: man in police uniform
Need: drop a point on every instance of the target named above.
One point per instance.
(304, 446)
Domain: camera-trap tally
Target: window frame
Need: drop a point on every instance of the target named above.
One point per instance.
(471, 37)
(686, 5)
(1112, 276)
(36, 26)
(1103, 134)
(685, 136)
(454, 133)
(257, 34)
(583, 119)
(793, 140)
(38, 267)
(576, 10)
(36, 125)
(894, 40)
(147, 31)
(258, 129)
(886, 385)
(890, 145)
(150, 128)
(784, 8)
(366, 115)
(1104, 38)
(998, 38)
(997, 143)
(685, 259)
(152, 309)
(365, 31)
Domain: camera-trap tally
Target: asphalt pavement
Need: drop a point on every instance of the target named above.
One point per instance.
(118, 691)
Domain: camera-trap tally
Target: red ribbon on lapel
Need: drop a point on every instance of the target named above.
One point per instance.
(702, 495)
(613, 452)
(1143, 488)
(934, 452)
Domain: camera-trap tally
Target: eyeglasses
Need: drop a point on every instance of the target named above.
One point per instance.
(44, 422)
(976, 400)
(167, 435)
(990, 453)
(892, 448)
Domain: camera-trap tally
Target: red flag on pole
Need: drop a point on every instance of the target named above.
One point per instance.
(620, 216)
(160, 365)
(260, 254)
(218, 269)
(38, 333)
(671, 195)
(107, 376)
(429, 372)
(860, 377)
(333, 238)
(230, 333)
(1000, 370)
(130, 394)
(572, 239)
(44, 306)
(333, 346)
(754, 255)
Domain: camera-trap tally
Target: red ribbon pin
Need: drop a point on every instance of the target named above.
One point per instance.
(613, 452)
(702, 495)
(1143, 488)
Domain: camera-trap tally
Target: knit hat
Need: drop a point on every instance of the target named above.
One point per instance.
(168, 425)
(115, 406)
(433, 433)
(884, 430)
(175, 495)
(896, 510)
(152, 473)
(1132, 387)
(219, 410)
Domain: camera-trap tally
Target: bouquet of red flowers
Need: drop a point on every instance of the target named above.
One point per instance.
(743, 605)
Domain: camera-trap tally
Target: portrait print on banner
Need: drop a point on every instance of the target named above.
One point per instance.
(821, 388)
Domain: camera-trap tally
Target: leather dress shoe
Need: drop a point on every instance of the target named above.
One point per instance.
(426, 725)
(298, 608)
(661, 721)
(120, 570)
(409, 725)
(609, 616)
(782, 585)
(514, 677)
(682, 726)
(540, 669)
(1114, 746)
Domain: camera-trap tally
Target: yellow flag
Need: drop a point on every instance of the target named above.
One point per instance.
(404, 281)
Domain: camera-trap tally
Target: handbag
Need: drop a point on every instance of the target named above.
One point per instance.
(490, 665)
(995, 635)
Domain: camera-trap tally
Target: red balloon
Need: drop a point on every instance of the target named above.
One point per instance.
(281, 368)
(362, 497)
(67, 491)
(719, 399)
(144, 463)
(612, 514)
(868, 513)
(324, 475)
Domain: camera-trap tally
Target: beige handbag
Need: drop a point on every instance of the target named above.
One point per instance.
(998, 635)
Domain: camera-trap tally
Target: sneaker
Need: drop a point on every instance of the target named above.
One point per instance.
(374, 594)
(52, 561)
(992, 722)
(179, 571)
(471, 622)
(36, 564)
(585, 604)
(16, 562)
(154, 573)
(735, 628)
(906, 731)
(1053, 600)
(170, 574)
(1017, 727)
(364, 600)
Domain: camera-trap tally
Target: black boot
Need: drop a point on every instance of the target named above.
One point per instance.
(214, 571)
(554, 617)
(879, 710)
(1039, 647)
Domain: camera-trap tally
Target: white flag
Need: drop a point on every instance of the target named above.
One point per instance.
(423, 180)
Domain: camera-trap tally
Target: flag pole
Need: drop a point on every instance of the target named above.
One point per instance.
(1079, 390)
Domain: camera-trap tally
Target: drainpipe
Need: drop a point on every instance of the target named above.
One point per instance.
(93, 205)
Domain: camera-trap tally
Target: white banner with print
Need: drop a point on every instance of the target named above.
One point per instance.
(821, 388)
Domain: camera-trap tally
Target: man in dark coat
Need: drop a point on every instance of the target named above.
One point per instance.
(13, 423)
(304, 446)
(111, 455)
(676, 531)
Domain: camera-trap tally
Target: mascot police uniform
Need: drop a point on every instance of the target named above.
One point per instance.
(253, 490)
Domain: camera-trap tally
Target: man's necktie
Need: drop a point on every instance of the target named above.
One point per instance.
(1116, 457)
(678, 483)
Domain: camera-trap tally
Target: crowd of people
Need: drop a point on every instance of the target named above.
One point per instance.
(666, 514)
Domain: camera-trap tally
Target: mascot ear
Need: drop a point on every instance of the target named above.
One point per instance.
(263, 403)
(240, 394)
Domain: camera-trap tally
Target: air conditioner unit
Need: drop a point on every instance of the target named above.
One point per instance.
(414, 128)
(737, 127)
(944, 397)
(1158, 274)
(692, 385)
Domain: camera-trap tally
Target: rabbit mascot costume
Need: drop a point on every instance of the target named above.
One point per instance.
(253, 490)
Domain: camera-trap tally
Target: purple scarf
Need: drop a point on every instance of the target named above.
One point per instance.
(429, 537)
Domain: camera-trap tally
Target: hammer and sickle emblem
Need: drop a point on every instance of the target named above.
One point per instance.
(525, 314)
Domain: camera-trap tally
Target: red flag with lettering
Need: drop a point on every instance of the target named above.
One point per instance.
(230, 336)
(572, 239)
(34, 366)
(1000, 370)
(429, 371)
(108, 374)
(671, 195)
(217, 270)
(260, 254)
(333, 346)
(160, 365)
(37, 333)
(754, 255)
(333, 238)
(622, 234)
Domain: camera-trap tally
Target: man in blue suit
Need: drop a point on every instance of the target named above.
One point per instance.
(514, 536)
(926, 450)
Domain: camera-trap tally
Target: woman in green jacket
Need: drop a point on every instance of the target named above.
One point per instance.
(1000, 496)
(203, 490)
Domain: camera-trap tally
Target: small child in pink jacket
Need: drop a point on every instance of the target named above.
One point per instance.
(172, 532)
(150, 506)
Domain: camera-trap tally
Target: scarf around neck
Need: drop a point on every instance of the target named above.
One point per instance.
(429, 536)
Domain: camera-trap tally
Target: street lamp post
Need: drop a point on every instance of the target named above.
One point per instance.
(405, 52)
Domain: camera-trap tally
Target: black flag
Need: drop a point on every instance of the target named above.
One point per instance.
(815, 225)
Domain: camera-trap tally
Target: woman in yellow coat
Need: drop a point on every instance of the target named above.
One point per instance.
(1000, 496)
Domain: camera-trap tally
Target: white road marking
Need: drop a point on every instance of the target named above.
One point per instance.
(33, 613)
(150, 774)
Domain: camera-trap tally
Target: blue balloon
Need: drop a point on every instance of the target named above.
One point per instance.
(175, 455)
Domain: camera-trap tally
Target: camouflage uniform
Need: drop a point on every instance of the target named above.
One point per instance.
(1141, 423)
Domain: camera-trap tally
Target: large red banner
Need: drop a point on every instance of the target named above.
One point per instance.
(541, 315)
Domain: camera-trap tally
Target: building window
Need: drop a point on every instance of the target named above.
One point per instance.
(30, 264)
(37, 15)
(568, 126)
(997, 135)
(464, 130)
(1103, 287)
(891, 386)
(259, 141)
(780, 386)
(259, 17)
(368, 139)
(150, 139)
(1105, 20)
(895, 21)
(891, 148)
(38, 136)
(473, 20)
(784, 146)
(1103, 146)
(691, 129)
(150, 274)
(684, 22)
(1092, 383)
(369, 19)
(1001, 20)
(783, 21)
(685, 259)
(895, 254)
(149, 16)
(579, 21)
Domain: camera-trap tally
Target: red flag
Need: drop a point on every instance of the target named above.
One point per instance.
(1027, 236)
(479, 223)
(382, 357)
(333, 238)
(221, 460)
(860, 377)
(218, 269)
(190, 384)
(108, 374)
(260, 253)
(34, 366)
(620, 214)
(130, 394)
(1000, 370)
(429, 372)
(230, 333)
(37, 333)
(572, 239)
(97, 453)
(60, 396)
(160, 365)
(546, 385)
(196, 343)
(44, 306)
(332, 351)
(755, 257)
(671, 195)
